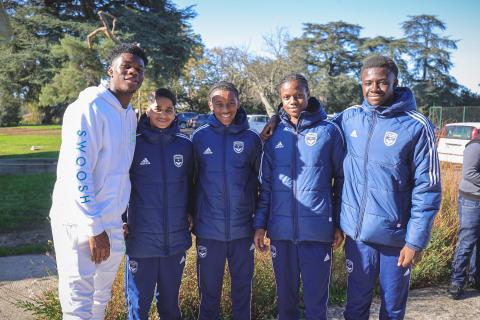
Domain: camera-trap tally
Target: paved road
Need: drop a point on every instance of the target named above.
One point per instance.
(22, 277)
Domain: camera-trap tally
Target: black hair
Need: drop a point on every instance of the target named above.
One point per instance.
(294, 77)
(162, 92)
(133, 48)
(380, 62)
(225, 86)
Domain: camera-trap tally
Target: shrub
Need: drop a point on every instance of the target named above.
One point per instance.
(9, 110)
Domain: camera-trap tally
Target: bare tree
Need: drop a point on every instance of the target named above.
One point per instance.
(105, 29)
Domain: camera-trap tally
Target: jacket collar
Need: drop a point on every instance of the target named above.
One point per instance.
(404, 101)
(313, 114)
(240, 122)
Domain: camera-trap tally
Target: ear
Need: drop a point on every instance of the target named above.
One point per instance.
(110, 72)
(395, 83)
(210, 105)
(148, 112)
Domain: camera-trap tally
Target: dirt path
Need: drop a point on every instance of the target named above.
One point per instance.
(18, 131)
(39, 233)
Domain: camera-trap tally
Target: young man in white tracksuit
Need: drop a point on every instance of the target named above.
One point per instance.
(93, 186)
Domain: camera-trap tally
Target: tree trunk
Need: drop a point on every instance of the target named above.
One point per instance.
(268, 107)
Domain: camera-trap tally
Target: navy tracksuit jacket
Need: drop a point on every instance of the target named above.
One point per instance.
(161, 175)
(390, 197)
(299, 207)
(226, 188)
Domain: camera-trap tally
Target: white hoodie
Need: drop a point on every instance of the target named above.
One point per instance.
(98, 140)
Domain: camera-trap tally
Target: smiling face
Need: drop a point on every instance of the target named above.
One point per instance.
(161, 113)
(224, 105)
(378, 86)
(126, 73)
(294, 97)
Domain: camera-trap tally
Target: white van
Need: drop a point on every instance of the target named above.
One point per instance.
(453, 138)
(257, 121)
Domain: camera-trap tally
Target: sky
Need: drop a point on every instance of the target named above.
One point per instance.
(245, 22)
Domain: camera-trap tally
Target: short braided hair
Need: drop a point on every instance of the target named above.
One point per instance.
(132, 48)
(377, 61)
(225, 86)
(162, 92)
(294, 77)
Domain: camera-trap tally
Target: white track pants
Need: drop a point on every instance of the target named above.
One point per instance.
(84, 287)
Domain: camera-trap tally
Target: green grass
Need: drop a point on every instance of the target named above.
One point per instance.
(25, 200)
(27, 249)
(16, 142)
(18, 146)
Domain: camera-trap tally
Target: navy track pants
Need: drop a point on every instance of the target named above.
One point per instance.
(211, 258)
(159, 275)
(365, 262)
(310, 261)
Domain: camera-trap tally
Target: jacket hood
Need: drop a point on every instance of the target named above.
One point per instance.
(314, 113)
(156, 135)
(101, 91)
(404, 101)
(240, 122)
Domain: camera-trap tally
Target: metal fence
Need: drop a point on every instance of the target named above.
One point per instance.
(443, 115)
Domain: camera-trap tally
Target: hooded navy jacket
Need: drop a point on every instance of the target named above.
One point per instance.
(227, 161)
(297, 200)
(392, 177)
(161, 176)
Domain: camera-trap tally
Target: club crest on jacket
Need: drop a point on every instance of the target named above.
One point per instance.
(390, 138)
(238, 146)
(311, 138)
(178, 160)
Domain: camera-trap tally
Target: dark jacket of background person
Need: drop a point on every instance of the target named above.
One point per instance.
(297, 200)
(226, 187)
(392, 190)
(470, 183)
(161, 176)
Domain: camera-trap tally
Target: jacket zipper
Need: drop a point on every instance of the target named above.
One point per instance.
(165, 202)
(365, 187)
(125, 131)
(295, 214)
(227, 203)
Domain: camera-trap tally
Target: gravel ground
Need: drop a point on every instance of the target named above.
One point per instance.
(21, 278)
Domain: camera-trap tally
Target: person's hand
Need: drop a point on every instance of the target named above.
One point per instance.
(269, 128)
(407, 257)
(190, 222)
(338, 237)
(99, 247)
(126, 231)
(259, 240)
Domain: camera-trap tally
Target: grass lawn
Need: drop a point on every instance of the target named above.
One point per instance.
(15, 142)
(25, 200)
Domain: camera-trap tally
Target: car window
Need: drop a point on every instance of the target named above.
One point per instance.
(458, 132)
(258, 119)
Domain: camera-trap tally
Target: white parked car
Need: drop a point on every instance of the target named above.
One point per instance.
(257, 121)
(453, 138)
